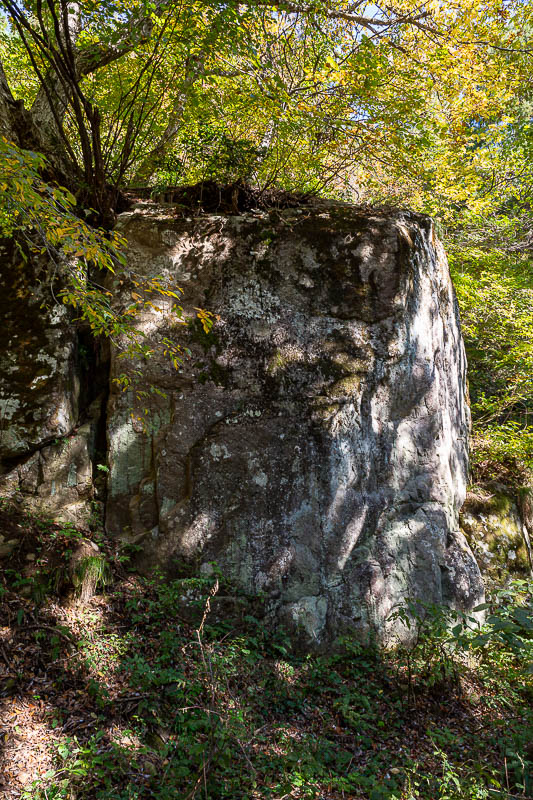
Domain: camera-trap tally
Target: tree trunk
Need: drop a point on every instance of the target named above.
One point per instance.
(8, 109)
(149, 164)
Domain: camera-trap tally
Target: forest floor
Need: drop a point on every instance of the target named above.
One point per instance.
(144, 691)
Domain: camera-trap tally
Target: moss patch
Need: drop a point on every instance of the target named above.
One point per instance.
(492, 524)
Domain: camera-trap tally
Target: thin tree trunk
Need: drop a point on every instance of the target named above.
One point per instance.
(8, 109)
(87, 60)
(150, 163)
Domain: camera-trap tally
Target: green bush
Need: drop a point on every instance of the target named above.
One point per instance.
(495, 293)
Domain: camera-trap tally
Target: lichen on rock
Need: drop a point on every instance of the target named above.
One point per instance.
(47, 430)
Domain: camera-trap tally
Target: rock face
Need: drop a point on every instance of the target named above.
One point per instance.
(45, 447)
(39, 387)
(315, 446)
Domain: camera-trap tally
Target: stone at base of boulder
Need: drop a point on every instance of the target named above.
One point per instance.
(56, 481)
(493, 524)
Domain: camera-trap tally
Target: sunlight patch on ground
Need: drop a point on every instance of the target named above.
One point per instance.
(25, 751)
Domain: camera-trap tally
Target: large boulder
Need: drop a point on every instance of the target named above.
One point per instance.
(315, 445)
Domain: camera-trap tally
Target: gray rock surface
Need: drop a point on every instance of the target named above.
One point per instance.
(56, 480)
(315, 445)
(38, 380)
(45, 460)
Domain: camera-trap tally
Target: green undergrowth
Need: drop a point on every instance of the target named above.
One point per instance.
(495, 293)
(40, 557)
(170, 699)
(159, 689)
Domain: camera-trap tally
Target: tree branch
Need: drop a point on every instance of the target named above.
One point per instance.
(370, 23)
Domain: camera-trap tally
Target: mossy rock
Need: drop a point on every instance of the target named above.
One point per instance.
(492, 523)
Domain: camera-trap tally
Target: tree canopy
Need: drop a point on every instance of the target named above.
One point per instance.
(321, 95)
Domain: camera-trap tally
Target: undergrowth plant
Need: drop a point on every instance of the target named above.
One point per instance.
(496, 638)
(181, 688)
(494, 286)
(91, 574)
(224, 709)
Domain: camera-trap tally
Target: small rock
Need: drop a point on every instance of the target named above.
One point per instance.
(8, 686)
(30, 556)
(7, 548)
